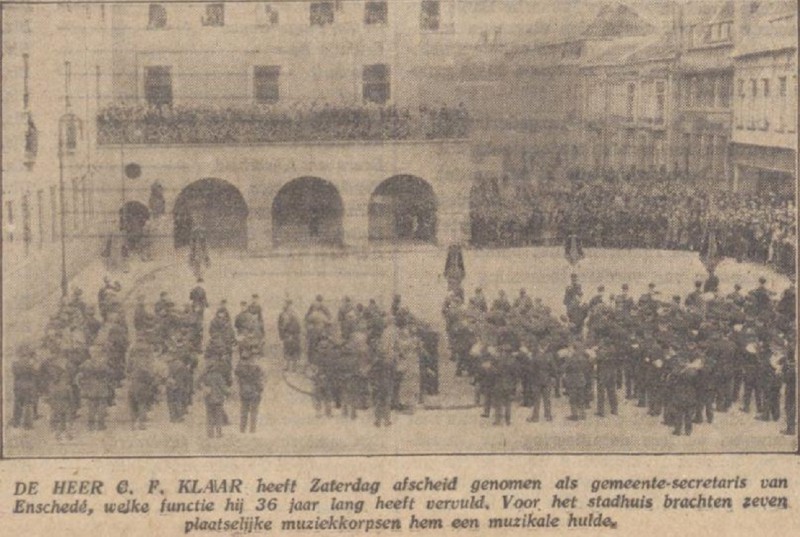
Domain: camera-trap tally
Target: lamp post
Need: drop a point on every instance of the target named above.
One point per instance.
(66, 120)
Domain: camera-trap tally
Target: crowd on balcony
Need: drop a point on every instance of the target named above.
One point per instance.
(145, 124)
(665, 211)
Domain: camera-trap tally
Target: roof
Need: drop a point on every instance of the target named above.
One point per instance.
(772, 29)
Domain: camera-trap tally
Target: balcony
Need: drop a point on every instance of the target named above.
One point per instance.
(121, 124)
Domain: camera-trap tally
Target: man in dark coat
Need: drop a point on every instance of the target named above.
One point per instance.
(94, 379)
(251, 384)
(26, 387)
(711, 284)
(215, 391)
(576, 366)
(542, 372)
(289, 332)
(790, 394)
(683, 393)
(198, 297)
(454, 268)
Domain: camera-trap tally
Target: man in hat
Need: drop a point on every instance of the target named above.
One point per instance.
(711, 284)
(318, 306)
(694, 300)
(26, 386)
(573, 291)
(241, 321)
(179, 386)
(289, 332)
(760, 298)
(95, 381)
(598, 298)
(623, 302)
(790, 394)
(215, 391)
(505, 364)
(198, 298)
(251, 384)
(478, 301)
(256, 310)
(576, 366)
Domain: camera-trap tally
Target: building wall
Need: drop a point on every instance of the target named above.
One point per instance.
(214, 65)
(764, 149)
(259, 172)
(32, 203)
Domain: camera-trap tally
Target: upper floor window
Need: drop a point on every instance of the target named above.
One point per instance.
(158, 85)
(376, 12)
(271, 15)
(321, 13)
(376, 83)
(631, 101)
(266, 83)
(31, 140)
(740, 107)
(215, 15)
(724, 91)
(661, 100)
(71, 136)
(26, 72)
(430, 15)
(157, 17)
(725, 31)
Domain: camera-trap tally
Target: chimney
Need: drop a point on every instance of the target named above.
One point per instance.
(744, 12)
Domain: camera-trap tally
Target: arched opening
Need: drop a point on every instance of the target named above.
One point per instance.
(218, 208)
(307, 211)
(133, 217)
(403, 209)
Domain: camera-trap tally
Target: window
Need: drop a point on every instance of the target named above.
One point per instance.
(376, 12)
(71, 136)
(321, 13)
(266, 86)
(708, 92)
(631, 101)
(660, 102)
(376, 85)
(31, 140)
(271, 15)
(724, 92)
(751, 112)
(40, 214)
(158, 86)
(740, 104)
(725, 31)
(765, 107)
(53, 214)
(157, 17)
(10, 221)
(26, 96)
(215, 15)
(97, 80)
(430, 16)
(75, 197)
(782, 92)
(792, 114)
(27, 236)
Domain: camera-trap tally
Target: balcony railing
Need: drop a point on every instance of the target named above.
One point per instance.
(204, 125)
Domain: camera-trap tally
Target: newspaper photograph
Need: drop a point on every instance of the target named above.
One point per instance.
(352, 266)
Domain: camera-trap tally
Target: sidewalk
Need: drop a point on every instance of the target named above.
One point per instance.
(29, 324)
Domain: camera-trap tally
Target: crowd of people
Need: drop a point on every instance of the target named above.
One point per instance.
(663, 211)
(178, 124)
(364, 357)
(683, 358)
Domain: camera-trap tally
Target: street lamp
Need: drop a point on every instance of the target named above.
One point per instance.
(67, 121)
